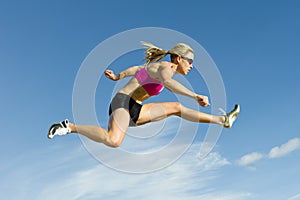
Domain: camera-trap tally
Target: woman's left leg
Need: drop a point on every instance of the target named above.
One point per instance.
(158, 111)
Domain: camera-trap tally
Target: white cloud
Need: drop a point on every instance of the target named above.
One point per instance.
(250, 159)
(213, 161)
(74, 175)
(285, 149)
(185, 179)
(225, 196)
(275, 152)
(295, 197)
(155, 151)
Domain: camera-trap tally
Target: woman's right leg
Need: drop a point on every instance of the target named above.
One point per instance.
(158, 111)
(118, 124)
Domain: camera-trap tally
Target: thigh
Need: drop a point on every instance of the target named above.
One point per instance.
(118, 124)
(157, 111)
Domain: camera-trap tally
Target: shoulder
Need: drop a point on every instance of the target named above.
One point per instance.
(165, 70)
(159, 66)
(165, 66)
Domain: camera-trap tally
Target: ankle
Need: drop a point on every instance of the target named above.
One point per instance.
(222, 119)
(72, 128)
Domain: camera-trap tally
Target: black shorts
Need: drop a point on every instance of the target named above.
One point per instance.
(125, 101)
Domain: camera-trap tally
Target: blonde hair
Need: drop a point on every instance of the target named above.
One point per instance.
(154, 53)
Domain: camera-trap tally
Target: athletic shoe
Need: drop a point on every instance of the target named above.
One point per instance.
(231, 116)
(61, 128)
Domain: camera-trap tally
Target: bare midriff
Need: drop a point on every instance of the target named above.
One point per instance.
(140, 95)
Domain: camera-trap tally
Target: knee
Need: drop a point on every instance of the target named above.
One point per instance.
(176, 108)
(115, 142)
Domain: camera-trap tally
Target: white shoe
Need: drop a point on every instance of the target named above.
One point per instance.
(61, 128)
(231, 116)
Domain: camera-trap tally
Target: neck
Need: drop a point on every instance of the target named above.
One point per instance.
(174, 68)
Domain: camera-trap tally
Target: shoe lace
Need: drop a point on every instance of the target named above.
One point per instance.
(222, 111)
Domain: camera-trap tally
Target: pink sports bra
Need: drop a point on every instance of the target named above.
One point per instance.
(151, 85)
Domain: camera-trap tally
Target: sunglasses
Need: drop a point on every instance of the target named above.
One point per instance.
(190, 61)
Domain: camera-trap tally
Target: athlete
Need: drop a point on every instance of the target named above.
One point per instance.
(126, 108)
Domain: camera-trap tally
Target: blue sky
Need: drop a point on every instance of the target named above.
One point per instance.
(255, 45)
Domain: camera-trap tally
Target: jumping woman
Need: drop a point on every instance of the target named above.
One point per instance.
(126, 108)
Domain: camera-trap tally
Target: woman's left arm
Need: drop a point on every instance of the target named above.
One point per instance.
(127, 72)
(165, 75)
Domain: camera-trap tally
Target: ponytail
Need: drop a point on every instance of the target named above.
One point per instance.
(153, 53)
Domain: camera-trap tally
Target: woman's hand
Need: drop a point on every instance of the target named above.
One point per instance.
(110, 74)
(202, 100)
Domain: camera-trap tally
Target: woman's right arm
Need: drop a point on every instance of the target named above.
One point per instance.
(127, 72)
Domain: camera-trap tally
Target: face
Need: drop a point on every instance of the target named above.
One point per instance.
(185, 63)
